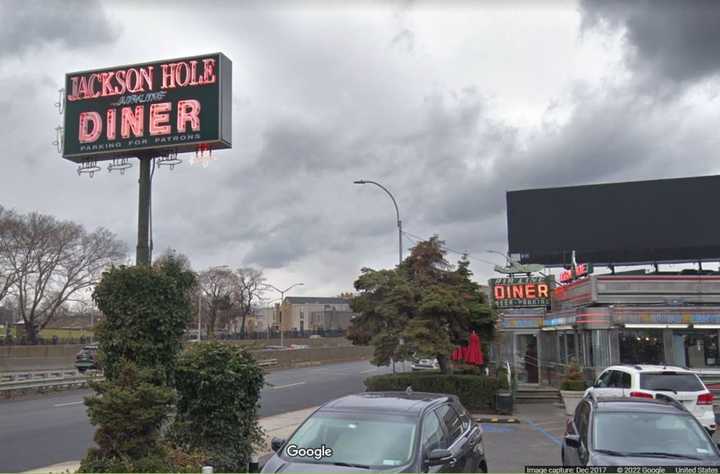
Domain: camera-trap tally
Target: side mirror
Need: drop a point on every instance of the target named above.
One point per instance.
(572, 441)
(439, 456)
(277, 443)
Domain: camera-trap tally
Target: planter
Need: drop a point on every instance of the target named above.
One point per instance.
(504, 402)
(571, 399)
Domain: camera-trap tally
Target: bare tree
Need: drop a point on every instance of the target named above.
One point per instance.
(249, 292)
(53, 261)
(217, 286)
(8, 221)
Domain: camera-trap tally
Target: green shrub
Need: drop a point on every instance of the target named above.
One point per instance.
(218, 387)
(147, 310)
(475, 392)
(574, 379)
(128, 412)
(502, 379)
(467, 369)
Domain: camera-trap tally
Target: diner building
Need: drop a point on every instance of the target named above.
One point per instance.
(602, 320)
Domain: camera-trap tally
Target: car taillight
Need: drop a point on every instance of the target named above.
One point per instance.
(641, 394)
(705, 399)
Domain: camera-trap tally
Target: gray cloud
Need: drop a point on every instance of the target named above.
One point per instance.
(679, 41)
(325, 99)
(73, 24)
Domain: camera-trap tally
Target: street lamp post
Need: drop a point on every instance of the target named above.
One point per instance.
(399, 226)
(282, 298)
(397, 212)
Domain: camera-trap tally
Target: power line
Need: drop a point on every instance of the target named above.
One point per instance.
(445, 247)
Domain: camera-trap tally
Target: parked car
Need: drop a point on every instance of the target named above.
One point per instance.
(425, 364)
(398, 431)
(87, 358)
(659, 382)
(636, 432)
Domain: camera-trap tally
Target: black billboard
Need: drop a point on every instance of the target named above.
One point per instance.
(177, 104)
(633, 222)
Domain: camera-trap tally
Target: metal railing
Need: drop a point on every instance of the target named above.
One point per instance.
(267, 362)
(12, 382)
(23, 381)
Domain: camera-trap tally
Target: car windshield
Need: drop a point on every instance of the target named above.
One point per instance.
(355, 439)
(644, 433)
(679, 382)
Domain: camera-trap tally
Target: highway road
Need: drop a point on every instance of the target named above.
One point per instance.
(54, 428)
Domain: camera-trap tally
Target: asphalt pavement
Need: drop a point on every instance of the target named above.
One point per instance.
(55, 428)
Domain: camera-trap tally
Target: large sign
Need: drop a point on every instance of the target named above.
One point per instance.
(173, 105)
(582, 270)
(521, 291)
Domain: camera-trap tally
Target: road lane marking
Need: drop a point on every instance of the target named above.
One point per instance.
(546, 424)
(547, 434)
(68, 404)
(276, 387)
(369, 370)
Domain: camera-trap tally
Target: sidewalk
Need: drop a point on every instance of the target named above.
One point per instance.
(280, 426)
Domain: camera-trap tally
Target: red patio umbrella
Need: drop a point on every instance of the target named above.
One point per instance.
(456, 354)
(473, 354)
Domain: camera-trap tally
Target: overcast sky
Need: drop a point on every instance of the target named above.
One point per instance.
(448, 104)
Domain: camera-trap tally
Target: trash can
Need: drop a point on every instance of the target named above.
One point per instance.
(504, 402)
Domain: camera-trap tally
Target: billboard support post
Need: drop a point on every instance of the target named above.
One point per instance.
(142, 256)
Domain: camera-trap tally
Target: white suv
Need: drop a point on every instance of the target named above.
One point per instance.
(658, 382)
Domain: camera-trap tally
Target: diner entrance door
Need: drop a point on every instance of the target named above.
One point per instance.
(527, 358)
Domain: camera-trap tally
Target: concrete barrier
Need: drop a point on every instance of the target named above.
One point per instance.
(22, 358)
(318, 355)
(59, 356)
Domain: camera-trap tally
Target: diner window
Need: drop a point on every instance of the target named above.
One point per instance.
(567, 346)
(641, 346)
(701, 349)
(588, 351)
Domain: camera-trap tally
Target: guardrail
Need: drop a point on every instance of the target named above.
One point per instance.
(14, 382)
(36, 374)
(267, 362)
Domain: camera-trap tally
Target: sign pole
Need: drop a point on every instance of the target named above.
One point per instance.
(142, 256)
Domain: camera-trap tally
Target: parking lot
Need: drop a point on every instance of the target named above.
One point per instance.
(534, 440)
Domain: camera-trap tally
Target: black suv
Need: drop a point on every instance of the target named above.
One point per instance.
(87, 358)
(376, 431)
(635, 432)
